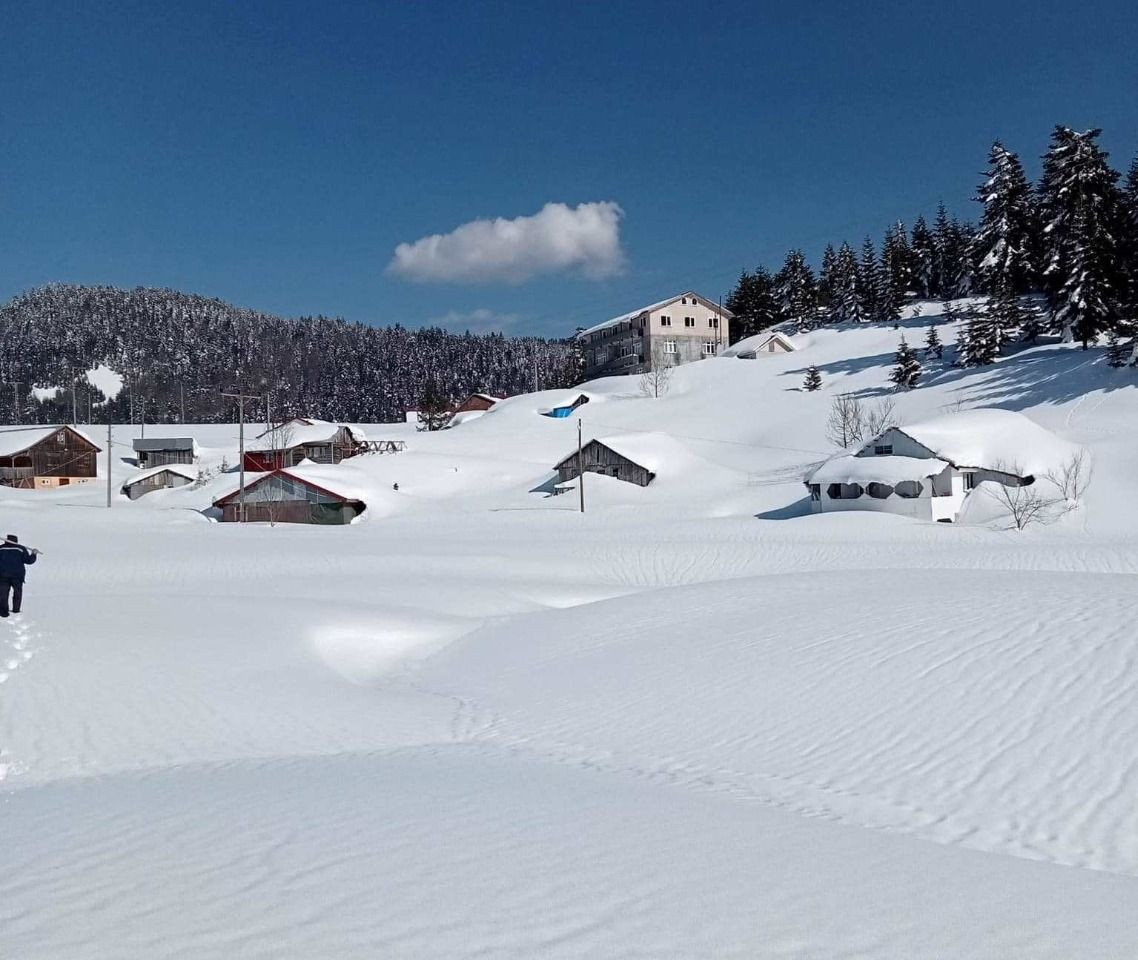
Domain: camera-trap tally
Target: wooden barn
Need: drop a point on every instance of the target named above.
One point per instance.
(162, 477)
(292, 496)
(300, 439)
(476, 401)
(612, 457)
(158, 451)
(46, 457)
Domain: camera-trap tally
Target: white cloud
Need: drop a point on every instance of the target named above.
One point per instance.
(557, 238)
(476, 321)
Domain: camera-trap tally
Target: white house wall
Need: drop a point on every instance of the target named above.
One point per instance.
(903, 446)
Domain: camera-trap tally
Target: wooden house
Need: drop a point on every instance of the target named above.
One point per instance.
(46, 457)
(476, 402)
(301, 439)
(161, 477)
(612, 457)
(301, 495)
(157, 451)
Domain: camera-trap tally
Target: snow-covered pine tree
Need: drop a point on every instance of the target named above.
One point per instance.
(933, 347)
(940, 282)
(1080, 204)
(1115, 355)
(797, 291)
(1002, 247)
(981, 341)
(753, 304)
(922, 257)
(893, 275)
(1007, 317)
(813, 379)
(868, 281)
(827, 278)
(847, 304)
(908, 369)
(1129, 244)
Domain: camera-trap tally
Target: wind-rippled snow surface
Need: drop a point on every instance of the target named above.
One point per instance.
(694, 723)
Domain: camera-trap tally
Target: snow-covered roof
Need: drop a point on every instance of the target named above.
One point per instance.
(148, 444)
(181, 469)
(17, 439)
(296, 434)
(340, 480)
(991, 439)
(863, 470)
(633, 314)
(749, 347)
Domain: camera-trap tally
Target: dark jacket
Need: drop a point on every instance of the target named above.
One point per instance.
(13, 559)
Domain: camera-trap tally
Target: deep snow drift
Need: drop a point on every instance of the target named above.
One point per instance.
(696, 721)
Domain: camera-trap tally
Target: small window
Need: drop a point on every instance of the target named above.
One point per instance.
(844, 491)
(689, 321)
(713, 322)
(969, 481)
(879, 491)
(883, 449)
(684, 300)
(815, 491)
(709, 349)
(909, 489)
(665, 321)
(669, 346)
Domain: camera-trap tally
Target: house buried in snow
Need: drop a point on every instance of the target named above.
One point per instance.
(762, 344)
(299, 439)
(477, 402)
(161, 477)
(566, 407)
(45, 457)
(928, 470)
(625, 458)
(157, 451)
(305, 494)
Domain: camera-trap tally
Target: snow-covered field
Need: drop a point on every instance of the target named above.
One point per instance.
(696, 721)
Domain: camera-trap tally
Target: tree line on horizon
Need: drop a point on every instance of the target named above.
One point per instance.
(1072, 238)
(178, 352)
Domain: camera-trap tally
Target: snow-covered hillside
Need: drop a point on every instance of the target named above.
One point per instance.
(695, 721)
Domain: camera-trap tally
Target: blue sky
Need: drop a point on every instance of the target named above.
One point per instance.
(276, 154)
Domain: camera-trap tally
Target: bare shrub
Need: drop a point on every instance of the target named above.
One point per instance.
(846, 423)
(1072, 478)
(655, 380)
(880, 417)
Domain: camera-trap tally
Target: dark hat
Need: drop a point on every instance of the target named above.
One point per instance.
(12, 538)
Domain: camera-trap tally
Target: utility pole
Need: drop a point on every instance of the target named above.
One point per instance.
(142, 415)
(580, 468)
(110, 440)
(241, 398)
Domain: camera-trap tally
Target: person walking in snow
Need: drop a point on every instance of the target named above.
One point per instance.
(14, 560)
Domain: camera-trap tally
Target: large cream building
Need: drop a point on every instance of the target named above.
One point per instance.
(681, 329)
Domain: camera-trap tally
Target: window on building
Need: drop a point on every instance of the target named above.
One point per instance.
(883, 449)
(709, 348)
(844, 491)
(669, 346)
(879, 491)
(665, 321)
(969, 481)
(684, 300)
(689, 321)
(909, 489)
(713, 322)
(815, 491)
